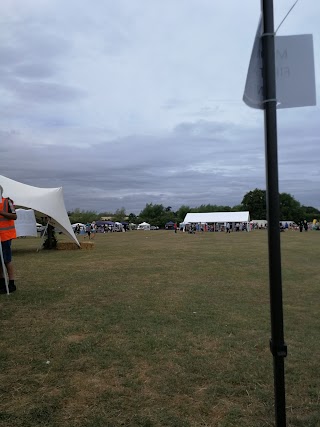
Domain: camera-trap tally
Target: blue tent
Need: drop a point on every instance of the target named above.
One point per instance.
(99, 223)
(169, 225)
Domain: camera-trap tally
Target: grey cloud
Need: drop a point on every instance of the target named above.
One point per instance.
(201, 128)
(34, 71)
(9, 56)
(19, 112)
(28, 59)
(42, 91)
(135, 170)
(174, 103)
(30, 39)
(29, 50)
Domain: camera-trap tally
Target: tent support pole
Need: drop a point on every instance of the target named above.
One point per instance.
(43, 236)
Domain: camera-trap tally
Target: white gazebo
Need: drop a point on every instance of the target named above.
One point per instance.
(144, 226)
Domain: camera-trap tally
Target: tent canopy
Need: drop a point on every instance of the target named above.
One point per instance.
(47, 203)
(214, 217)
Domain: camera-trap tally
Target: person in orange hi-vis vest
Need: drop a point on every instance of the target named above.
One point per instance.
(7, 233)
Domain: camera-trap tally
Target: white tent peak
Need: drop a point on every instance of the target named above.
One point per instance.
(46, 202)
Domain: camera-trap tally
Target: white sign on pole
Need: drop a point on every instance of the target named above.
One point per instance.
(295, 75)
(253, 91)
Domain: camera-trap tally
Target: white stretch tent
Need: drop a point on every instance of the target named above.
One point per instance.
(25, 223)
(46, 202)
(217, 217)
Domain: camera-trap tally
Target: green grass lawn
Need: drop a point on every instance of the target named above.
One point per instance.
(157, 329)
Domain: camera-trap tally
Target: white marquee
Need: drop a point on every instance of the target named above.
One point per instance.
(216, 217)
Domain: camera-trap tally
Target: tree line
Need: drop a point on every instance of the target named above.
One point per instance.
(156, 214)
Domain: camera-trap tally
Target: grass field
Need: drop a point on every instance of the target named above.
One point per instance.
(157, 329)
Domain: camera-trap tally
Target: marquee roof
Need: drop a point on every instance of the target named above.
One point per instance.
(213, 217)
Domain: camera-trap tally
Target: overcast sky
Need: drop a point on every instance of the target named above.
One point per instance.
(128, 102)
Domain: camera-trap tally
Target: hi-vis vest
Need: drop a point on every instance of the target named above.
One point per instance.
(7, 228)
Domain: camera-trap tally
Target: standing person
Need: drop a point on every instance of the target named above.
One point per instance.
(88, 230)
(228, 227)
(7, 233)
(93, 230)
(175, 226)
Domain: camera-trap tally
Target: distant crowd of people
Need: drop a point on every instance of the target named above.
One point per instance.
(303, 225)
(90, 229)
(227, 227)
(243, 226)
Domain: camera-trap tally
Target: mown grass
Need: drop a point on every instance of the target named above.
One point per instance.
(158, 329)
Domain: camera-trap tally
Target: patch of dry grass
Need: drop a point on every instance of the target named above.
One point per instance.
(157, 329)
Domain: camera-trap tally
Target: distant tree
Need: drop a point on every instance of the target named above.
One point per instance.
(211, 208)
(223, 208)
(237, 208)
(255, 202)
(311, 213)
(167, 217)
(133, 218)
(119, 215)
(156, 215)
(152, 214)
(83, 216)
(182, 212)
(290, 208)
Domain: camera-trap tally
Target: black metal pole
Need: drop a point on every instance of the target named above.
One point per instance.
(277, 345)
